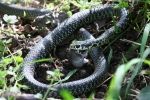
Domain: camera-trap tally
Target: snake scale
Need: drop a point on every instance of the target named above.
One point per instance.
(62, 32)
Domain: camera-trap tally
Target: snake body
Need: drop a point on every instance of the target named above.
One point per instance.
(24, 12)
(62, 32)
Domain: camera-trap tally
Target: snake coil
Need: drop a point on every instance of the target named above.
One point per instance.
(62, 32)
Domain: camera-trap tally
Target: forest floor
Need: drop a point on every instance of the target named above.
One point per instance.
(26, 36)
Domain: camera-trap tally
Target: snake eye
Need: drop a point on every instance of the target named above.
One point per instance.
(77, 46)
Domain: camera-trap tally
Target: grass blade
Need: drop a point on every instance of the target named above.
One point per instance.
(143, 55)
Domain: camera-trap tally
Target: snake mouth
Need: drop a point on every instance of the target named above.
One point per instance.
(78, 58)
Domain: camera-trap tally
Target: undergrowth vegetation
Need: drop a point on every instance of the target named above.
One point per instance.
(11, 61)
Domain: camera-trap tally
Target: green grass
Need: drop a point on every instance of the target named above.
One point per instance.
(115, 86)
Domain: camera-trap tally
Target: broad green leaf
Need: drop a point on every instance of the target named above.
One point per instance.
(11, 19)
(144, 94)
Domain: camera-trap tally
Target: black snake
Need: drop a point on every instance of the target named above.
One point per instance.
(62, 32)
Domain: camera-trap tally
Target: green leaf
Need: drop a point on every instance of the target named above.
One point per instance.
(19, 77)
(3, 74)
(84, 7)
(8, 41)
(115, 85)
(2, 50)
(7, 60)
(25, 87)
(124, 4)
(48, 22)
(148, 15)
(11, 73)
(38, 96)
(50, 6)
(69, 75)
(75, 3)
(50, 73)
(12, 79)
(19, 59)
(57, 73)
(142, 55)
(69, 13)
(65, 7)
(144, 94)
(66, 95)
(44, 59)
(19, 52)
(2, 77)
(11, 19)
(14, 89)
(57, 1)
(1, 42)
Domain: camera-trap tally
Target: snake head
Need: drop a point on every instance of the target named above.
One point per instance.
(80, 45)
(77, 59)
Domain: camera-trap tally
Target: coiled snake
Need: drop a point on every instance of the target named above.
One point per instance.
(62, 32)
